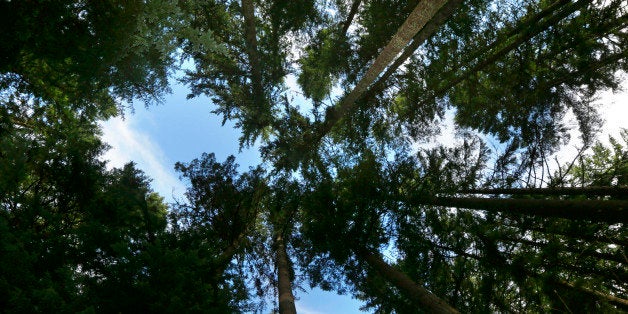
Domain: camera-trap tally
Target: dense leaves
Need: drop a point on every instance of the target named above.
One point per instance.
(88, 54)
(352, 196)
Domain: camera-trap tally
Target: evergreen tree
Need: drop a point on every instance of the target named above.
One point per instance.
(344, 200)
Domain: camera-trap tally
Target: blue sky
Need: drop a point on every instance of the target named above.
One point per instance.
(181, 130)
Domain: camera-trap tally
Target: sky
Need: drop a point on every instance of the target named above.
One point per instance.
(181, 130)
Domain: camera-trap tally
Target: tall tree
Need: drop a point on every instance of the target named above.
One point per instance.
(89, 53)
(343, 184)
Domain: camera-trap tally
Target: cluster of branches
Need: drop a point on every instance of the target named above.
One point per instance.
(344, 180)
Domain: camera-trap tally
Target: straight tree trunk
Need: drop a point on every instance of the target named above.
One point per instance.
(248, 11)
(610, 211)
(430, 28)
(591, 190)
(518, 271)
(595, 294)
(576, 235)
(286, 298)
(225, 257)
(223, 260)
(501, 48)
(526, 23)
(354, 9)
(400, 280)
(421, 15)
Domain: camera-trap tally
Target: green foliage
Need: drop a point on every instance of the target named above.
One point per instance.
(325, 59)
(89, 54)
(89, 239)
(230, 76)
(338, 184)
(605, 166)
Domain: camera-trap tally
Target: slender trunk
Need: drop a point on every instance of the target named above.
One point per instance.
(423, 13)
(504, 47)
(248, 216)
(595, 294)
(610, 211)
(354, 9)
(526, 23)
(589, 191)
(286, 298)
(248, 11)
(573, 76)
(430, 28)
(458, 279)
(400, 280)
(225, 257)
(589, 237)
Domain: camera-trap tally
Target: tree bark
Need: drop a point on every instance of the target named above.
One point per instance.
(592, 190)
(354, 9)
(248, 11)
(223, 260)
(610, 211)
(519, 271)
(286, 298)
(595, 294)
(421, 15)
(501, 48)
(400, 280)
(430, 28)
(576, 235)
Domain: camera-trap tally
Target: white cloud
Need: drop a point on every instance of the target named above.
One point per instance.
(614, 110)
(130, 144)
(304, 309)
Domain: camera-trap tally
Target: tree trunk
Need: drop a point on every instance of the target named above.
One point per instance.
(423, 13)
(223, 260)
(537, 24)
(286, 298)
(249, 215)
(592, 190)
(518, 271)
(611, 211)
(595, 294)
(430, 28)
(400, 280)
(354, 9)
(248, 11)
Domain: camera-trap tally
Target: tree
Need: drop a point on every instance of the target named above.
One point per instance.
(605, 167)
(89, 54)
(344, 183)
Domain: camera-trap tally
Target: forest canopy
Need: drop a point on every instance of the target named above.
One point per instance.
(346, 176)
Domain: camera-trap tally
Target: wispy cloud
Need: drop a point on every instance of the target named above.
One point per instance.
(614, 110)
(305, 310)
(128, 143)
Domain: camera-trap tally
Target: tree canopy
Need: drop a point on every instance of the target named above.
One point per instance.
(348, 197)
